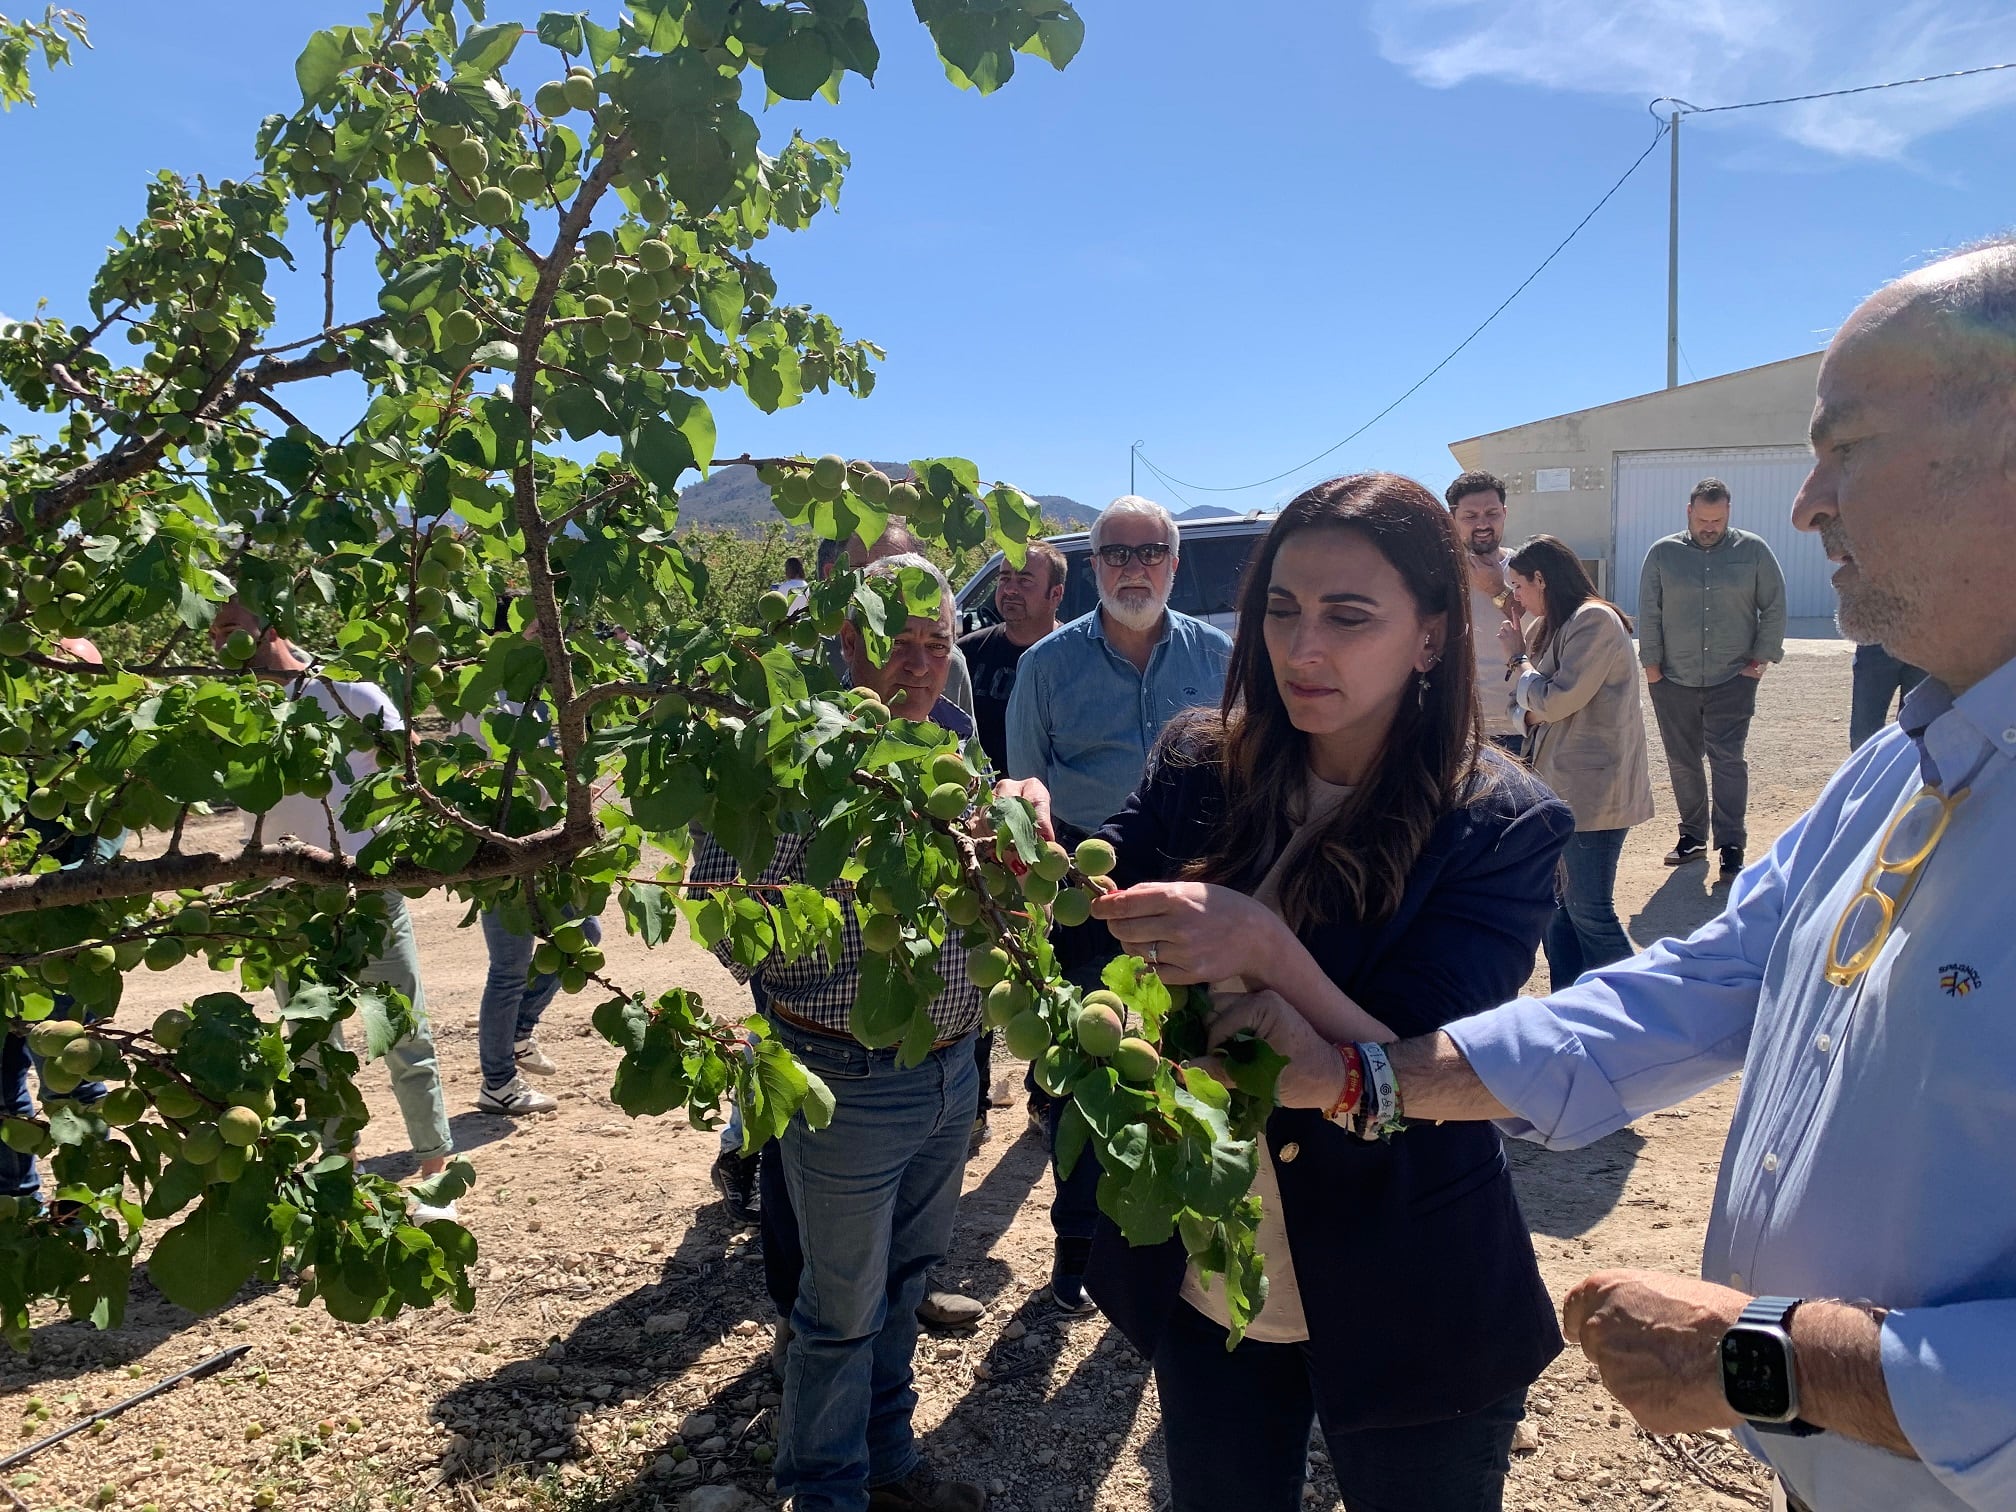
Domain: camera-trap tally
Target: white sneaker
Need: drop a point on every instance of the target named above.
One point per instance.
(418, 1213)
(514, 1097)
(532, 1058)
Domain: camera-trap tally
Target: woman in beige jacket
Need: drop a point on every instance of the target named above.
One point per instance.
(1576, 682)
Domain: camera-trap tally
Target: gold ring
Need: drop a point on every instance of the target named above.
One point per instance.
(1154, 952)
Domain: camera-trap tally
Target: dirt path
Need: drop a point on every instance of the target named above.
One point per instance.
(617, 1356)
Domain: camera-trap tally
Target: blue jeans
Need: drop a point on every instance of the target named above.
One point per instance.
(1259, 1397)
(1584, 932)
(1880, 681)
(513, 999)
(876, 1194)
(18, 1176)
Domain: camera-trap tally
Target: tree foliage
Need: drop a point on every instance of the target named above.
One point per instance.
(20, 41)
(562, 276)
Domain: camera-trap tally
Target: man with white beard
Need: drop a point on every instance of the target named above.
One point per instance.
(1090, 700)
(1091, 697)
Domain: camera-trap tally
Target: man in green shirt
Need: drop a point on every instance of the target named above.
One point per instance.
(1711, 618)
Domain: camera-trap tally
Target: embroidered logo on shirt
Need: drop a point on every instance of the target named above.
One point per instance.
(1958, 980)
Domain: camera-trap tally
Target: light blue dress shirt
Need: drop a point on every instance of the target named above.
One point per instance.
(1083, 720)
(1873, 1151)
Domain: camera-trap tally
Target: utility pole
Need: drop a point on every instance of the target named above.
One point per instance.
(1673, 257)
(1132, 452)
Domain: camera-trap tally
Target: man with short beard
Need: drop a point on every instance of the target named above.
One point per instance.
(1477, 506)
(1026, 598)
(1711, 618)
(1090, 700)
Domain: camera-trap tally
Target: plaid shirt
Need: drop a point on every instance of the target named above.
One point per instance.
(816, 987)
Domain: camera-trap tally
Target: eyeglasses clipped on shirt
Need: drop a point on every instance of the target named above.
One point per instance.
(1154, 554)
(1907, 844)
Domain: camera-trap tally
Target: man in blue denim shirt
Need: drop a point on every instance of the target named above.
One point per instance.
(1862, 979)
(875, 1193)
(1091, 697)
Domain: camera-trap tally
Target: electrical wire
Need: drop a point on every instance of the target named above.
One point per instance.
(1686, 109)
(1834, 94)
(1454, 352)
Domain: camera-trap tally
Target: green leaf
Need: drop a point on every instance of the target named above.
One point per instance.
(1141, 990)
(319, 66)
(563, 30)
(1018, 818)
(485, 49)
(647, 906)
(796, 66)
(202, 1262)
(452, 1181)
(1057, 37)
(661, 452)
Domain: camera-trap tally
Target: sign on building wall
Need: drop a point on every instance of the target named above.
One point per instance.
(1553, 479)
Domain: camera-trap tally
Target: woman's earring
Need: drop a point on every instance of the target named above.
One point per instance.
(1421, 693)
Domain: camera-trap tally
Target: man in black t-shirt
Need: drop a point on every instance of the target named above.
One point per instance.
(1027, 600)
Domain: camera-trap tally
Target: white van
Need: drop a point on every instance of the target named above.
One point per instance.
(1208, 569)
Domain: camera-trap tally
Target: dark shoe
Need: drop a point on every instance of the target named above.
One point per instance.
(1689, 849)
(1732, 860)
(1067, 1278)
(922, 1491)
(1039, 1115)
(948, 1309)
(978, 1137)
(735, 1179)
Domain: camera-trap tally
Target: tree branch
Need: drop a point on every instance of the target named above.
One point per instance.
(96, 882)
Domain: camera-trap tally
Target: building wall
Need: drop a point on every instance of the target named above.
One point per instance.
(1762, 406)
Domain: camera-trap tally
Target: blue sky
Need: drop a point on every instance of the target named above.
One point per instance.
(1230, 232)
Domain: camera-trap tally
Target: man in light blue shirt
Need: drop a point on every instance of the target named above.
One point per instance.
(1862, 978)
(1091, 696)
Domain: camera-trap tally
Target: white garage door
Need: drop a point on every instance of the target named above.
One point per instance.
(1649, 500)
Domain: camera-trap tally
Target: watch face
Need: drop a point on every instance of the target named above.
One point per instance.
(1756, 1375)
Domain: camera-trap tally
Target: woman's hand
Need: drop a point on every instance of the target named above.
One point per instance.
(1314, 1075)
(1196, 931)
(1037, 795)
(1512, 638)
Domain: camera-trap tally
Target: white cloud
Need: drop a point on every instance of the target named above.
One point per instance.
(1716, 52)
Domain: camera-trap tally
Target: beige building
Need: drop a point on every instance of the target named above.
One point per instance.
(1612, 480)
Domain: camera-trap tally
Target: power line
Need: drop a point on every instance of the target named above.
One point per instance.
(1684, 109)
(1456, 351)
(1834, 94)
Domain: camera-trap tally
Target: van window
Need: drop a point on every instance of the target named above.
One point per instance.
(1214, 565)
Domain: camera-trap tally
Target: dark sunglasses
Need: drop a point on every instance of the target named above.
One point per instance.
(1154, 554)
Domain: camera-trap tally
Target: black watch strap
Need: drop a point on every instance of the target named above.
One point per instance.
(1775, 1312)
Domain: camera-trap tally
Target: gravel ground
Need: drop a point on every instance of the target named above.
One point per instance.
(617, 1356)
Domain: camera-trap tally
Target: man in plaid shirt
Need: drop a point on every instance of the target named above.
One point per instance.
(877, 1191)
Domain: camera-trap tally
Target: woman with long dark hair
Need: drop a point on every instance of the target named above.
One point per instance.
(1574, 676)
(1344, 858)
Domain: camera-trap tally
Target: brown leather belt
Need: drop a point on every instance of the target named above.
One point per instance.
(796, 1021)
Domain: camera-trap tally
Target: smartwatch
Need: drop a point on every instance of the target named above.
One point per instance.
(1759, 1379)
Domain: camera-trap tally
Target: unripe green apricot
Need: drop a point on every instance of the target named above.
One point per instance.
(1052, 863)
(1095, 857)
(1026, 1035)
(1137, 1061)
(240, 1126)
(463, 328)
(1072, 908)
(580, 92)
(881, 932)
(495, 207)
(550, 100)
(599, 247)
(415, 166)
(1099, 1030)
(947, 801)
(170, 1025)
(829, 475)
(469, 159)
(988, 967)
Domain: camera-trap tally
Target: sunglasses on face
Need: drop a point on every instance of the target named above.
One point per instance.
(1154, 554)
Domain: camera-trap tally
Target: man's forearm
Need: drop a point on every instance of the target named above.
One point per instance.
(1437, 1084)
(1839, 1348)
